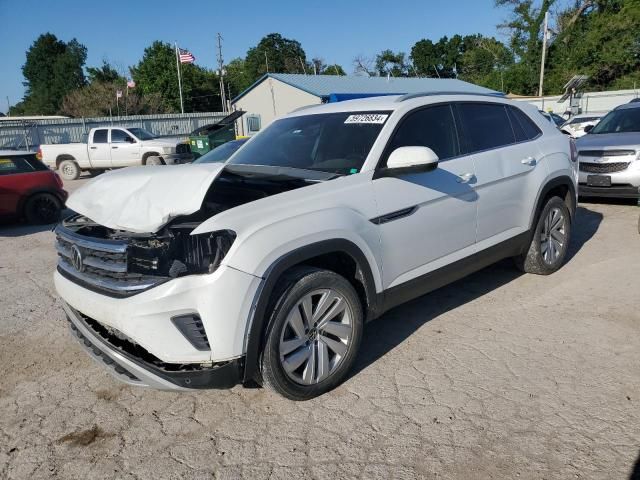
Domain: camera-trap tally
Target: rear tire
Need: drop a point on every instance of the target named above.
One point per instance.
(42, 208)
(550, 241)
(69, 170)
(313, 335)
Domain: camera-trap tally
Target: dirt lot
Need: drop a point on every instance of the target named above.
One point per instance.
(500, 375)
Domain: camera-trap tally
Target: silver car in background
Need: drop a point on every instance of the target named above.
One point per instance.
(609, 155)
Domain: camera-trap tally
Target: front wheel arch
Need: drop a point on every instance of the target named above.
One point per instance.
(306, 255)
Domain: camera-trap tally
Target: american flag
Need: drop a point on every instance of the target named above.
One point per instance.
(186, 56)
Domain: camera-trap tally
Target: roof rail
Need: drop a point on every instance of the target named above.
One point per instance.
(410, 96)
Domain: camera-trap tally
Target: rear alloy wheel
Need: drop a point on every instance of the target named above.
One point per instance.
(314, 334)
(550, 241)
(42, 208)
(69, 170)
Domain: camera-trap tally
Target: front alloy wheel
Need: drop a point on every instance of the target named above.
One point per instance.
(314, 333)
(316, 336)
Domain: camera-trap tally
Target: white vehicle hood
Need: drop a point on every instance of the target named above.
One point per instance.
(143, 199)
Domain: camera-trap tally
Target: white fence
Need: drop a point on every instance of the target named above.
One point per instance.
(591, 102)
(28, 134)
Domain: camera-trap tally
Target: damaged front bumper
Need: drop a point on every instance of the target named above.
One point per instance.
(134, 366)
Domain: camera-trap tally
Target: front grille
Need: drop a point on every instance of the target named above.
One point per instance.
(603, 167)
(183, 148)
(100, 264)
(606, 153)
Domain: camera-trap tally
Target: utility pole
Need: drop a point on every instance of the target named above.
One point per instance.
(544, 52)
(223, 95)
(9, 104)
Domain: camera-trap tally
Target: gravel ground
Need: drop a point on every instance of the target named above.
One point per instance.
(499, 375)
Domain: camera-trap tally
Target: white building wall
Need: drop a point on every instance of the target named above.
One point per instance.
(591, 102)
(270, 99)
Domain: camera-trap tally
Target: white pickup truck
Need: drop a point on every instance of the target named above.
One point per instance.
(114, 147)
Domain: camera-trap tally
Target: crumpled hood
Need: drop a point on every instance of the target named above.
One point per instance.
(143, 199)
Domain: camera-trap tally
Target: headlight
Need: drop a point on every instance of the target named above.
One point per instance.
(179, 253)
(201, 253)
(168, 150)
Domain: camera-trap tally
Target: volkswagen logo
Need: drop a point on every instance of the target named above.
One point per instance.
(76, 258)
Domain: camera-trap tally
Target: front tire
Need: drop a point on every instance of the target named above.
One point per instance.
(550, 241)
(153, 160)
(313, 335)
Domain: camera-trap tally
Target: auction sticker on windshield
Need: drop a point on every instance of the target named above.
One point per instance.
(378, 118)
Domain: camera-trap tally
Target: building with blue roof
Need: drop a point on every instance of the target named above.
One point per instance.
(276, 94)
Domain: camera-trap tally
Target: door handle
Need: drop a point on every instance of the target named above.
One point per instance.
(529, 161)
(114, 147)
(465, 177)
(93, 148)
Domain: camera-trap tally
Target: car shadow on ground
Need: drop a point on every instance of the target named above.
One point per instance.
(635, 471)
(20, 228)
(387, 332)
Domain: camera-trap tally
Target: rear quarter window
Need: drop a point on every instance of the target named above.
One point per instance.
(523, 127)
(22, 164)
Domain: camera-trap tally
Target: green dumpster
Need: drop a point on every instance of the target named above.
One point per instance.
(210, 136)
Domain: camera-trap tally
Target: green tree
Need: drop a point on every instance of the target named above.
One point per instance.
(334, 69)
(237, 78)
(600, 39)
(525, 27)
(390, 63)
(104, 73)
(282, 54)
(99, 99)
(53, 68)
(156, 74)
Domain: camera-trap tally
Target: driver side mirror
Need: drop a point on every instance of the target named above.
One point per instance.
(588, 128)
(130, 140)
(410, 160)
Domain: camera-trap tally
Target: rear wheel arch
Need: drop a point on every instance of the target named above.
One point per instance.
(338, 255)
(561, 186)
(63, 157)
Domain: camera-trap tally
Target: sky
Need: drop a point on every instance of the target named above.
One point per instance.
(336, 31)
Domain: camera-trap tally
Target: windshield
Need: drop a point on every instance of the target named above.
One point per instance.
(329, 142)
(619, 121)
(142, 134)
(222, 153)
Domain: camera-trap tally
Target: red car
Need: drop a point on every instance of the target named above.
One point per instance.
(29, 189)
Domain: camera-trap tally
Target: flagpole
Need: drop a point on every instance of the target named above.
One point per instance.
(179, 79)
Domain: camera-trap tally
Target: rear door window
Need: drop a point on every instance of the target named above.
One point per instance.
(120, 136)
(100, 136)
(485, 126)
(432, 127)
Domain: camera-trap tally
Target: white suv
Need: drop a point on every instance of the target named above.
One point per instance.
(267, 267)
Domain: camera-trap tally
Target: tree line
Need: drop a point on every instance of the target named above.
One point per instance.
(598, 38)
